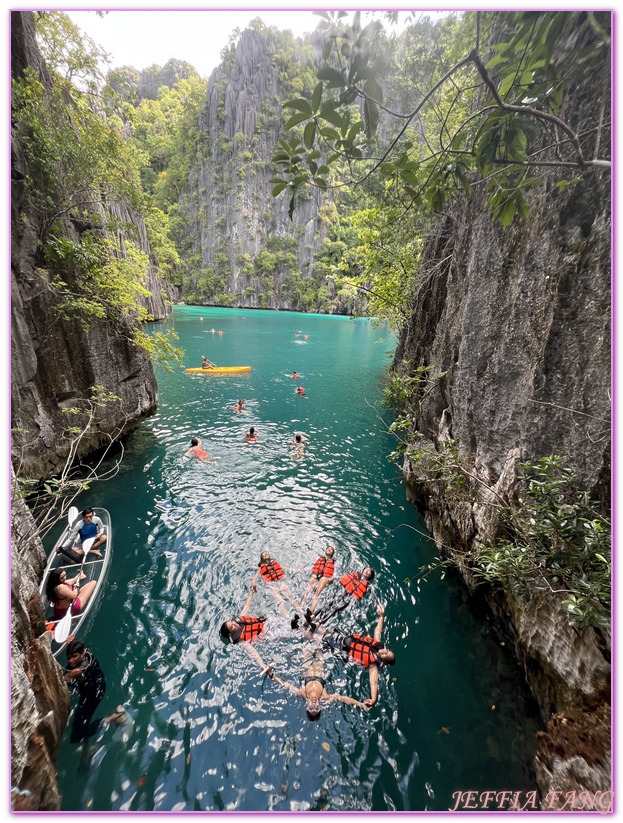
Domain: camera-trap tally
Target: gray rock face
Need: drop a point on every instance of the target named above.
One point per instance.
(53, 365)
(39, 696)
(519, 321)
(55, 362)
(229, 203)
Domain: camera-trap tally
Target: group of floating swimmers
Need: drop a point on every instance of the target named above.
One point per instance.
(367, 651)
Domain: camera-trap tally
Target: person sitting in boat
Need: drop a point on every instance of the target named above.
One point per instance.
(244, 629)
(251, 435)
(207, 364)
(90, 526)
(63, 593)
(354, 587)
(321, 575)
(272, 574)
(313, 690)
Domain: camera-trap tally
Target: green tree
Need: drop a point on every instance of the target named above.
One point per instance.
(512, 79)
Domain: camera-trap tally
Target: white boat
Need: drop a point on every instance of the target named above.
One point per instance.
(95, 568)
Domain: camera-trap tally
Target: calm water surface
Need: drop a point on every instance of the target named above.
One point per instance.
(208, 732)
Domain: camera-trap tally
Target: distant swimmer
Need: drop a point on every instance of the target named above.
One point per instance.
(305, 336)
(239, 406)
(300, 390)
(299, 445)
(213, 331)
(220, 332)
(196, 450)
(295, 375)
(251, 435)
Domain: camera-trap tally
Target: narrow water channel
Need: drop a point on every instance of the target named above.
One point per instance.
(209, 732)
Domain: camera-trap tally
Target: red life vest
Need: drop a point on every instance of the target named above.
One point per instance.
(251, 627)
(354, 585)
(271, 571)
(364, 649)
(323, 567)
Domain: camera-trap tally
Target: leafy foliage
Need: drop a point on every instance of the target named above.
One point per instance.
(558, 541)
(514, 99)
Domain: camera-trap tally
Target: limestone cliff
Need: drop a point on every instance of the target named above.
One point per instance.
(518, 322)
(39, 696)
(54, 362)
(231, 211)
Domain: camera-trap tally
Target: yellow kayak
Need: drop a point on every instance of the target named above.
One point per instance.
(220, 370)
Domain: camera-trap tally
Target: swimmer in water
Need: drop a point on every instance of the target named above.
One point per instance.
(251, 435)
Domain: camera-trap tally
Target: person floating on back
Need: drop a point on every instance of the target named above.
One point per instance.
(368, 651)
(354, 587)
(313, 690)
(273, 575)
(321, 575)
(299, 445)
(245, 629)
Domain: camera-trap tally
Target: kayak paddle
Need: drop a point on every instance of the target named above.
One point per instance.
(61, 632)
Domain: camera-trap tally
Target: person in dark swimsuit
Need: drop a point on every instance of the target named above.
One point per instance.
(313, 690)
(354, 587)
(369, 652)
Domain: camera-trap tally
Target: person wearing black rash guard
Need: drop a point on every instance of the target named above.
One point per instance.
(354, 587)
(368, 651)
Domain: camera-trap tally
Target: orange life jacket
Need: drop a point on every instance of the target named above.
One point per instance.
(354, 584)
(251, 628)
(271, 571)
(364, 649)
(323, 567)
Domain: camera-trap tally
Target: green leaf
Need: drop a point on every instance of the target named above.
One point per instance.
(373, 89)
(331, 116)
(295, 120)
(506, 83)
(507, 214)
(309, 134)
(370, 117)
(332, 76)
(300, 104)
(279, 188)
(316, 97)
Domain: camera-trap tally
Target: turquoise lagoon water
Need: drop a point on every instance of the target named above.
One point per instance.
(208, 731)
